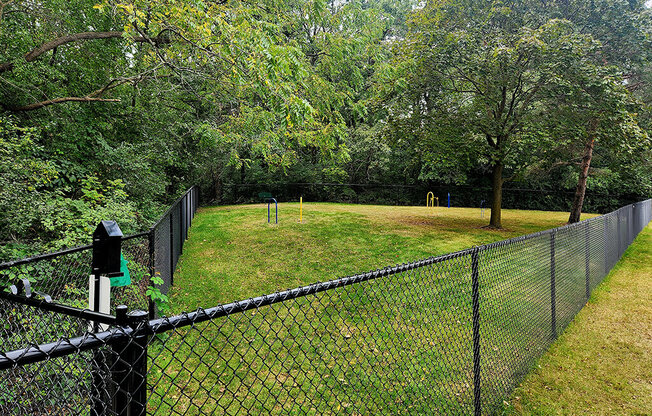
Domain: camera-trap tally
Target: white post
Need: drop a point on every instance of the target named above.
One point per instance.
(105, 298)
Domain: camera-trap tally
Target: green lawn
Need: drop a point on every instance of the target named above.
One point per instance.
(602, 364)
(233, 253)
(401, 344)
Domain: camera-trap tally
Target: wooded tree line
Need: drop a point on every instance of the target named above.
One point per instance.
(111, 108)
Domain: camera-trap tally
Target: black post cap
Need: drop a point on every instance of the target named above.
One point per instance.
(107, 240)
(107, 229)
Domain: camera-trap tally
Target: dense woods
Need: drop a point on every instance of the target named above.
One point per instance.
(112, 108)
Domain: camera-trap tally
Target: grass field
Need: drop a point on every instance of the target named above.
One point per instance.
(602, 364)
(232, 252)
(401, 344)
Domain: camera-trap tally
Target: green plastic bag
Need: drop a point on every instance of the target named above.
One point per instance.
(125, 279)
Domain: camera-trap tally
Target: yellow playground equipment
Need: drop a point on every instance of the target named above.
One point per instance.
(430, 200)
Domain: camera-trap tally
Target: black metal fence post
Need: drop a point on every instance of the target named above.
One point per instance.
(631, 222)
(121, 368)
(634, 221)
(587, 253)
(107, 240)
(171, 253)
(620, 243)
(553, 302)
(129, 372)
(152, 269)
(179, 249)
(605, 237)
(188, 212)
(475, 295)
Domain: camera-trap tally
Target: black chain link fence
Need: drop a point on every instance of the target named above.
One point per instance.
(513, 197)
(63, 276)
(169, 234)
(54, 286)
(446, 335)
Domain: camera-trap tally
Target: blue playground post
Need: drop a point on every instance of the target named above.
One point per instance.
(482, 209)
(269, 201)
(449, 200)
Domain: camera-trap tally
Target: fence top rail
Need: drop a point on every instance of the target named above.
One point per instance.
(47, 256)
(63, 347)
(48, 305)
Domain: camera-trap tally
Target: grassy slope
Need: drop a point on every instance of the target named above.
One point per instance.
(233, 253)
(309, 355)
(267, 360)
(602, 364)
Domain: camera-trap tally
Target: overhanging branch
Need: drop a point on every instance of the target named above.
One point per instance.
(95, 96)
(36, 106)
(77, 37)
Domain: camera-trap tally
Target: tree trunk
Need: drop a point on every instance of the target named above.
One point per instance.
(580, 191)
(497, 190)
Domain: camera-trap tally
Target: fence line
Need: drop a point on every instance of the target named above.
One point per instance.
(404, 194)
(62, 276)
(452, 334)
(167, 236)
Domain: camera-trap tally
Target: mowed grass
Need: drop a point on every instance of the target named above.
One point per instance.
(400, 344)
(233, 253)
(602, 364)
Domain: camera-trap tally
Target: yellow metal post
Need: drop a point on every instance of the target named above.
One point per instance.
(430, 200)
(300, 209)
(437, 198)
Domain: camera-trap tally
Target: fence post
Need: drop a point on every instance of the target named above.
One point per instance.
(632, 222)
(606, 243)
(475, 284)
(130, 370)
(105, 263)
(152, 269)
(635, 220)
(180, 248)
(171, 252)
(121, 368)
(620, 243)
(588, 258)
(182, 223)
(188, 212)
(553, 314)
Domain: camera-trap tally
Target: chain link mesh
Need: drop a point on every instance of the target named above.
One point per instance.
(446, 335)
(169, 234)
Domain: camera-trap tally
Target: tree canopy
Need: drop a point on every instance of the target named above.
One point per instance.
(110, 108)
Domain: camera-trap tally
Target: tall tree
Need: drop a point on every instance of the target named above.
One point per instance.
(484, 67)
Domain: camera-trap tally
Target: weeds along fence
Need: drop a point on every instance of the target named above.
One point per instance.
(61, 278)
(452, 334)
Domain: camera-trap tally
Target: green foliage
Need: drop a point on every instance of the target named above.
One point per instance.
(485, 84)
(363, 91)
(36, 209)
(71, 220)
(161, 300)
(25, 178)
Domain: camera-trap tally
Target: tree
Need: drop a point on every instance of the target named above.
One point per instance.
(598, 102)
(484, 68)
(594, 109)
